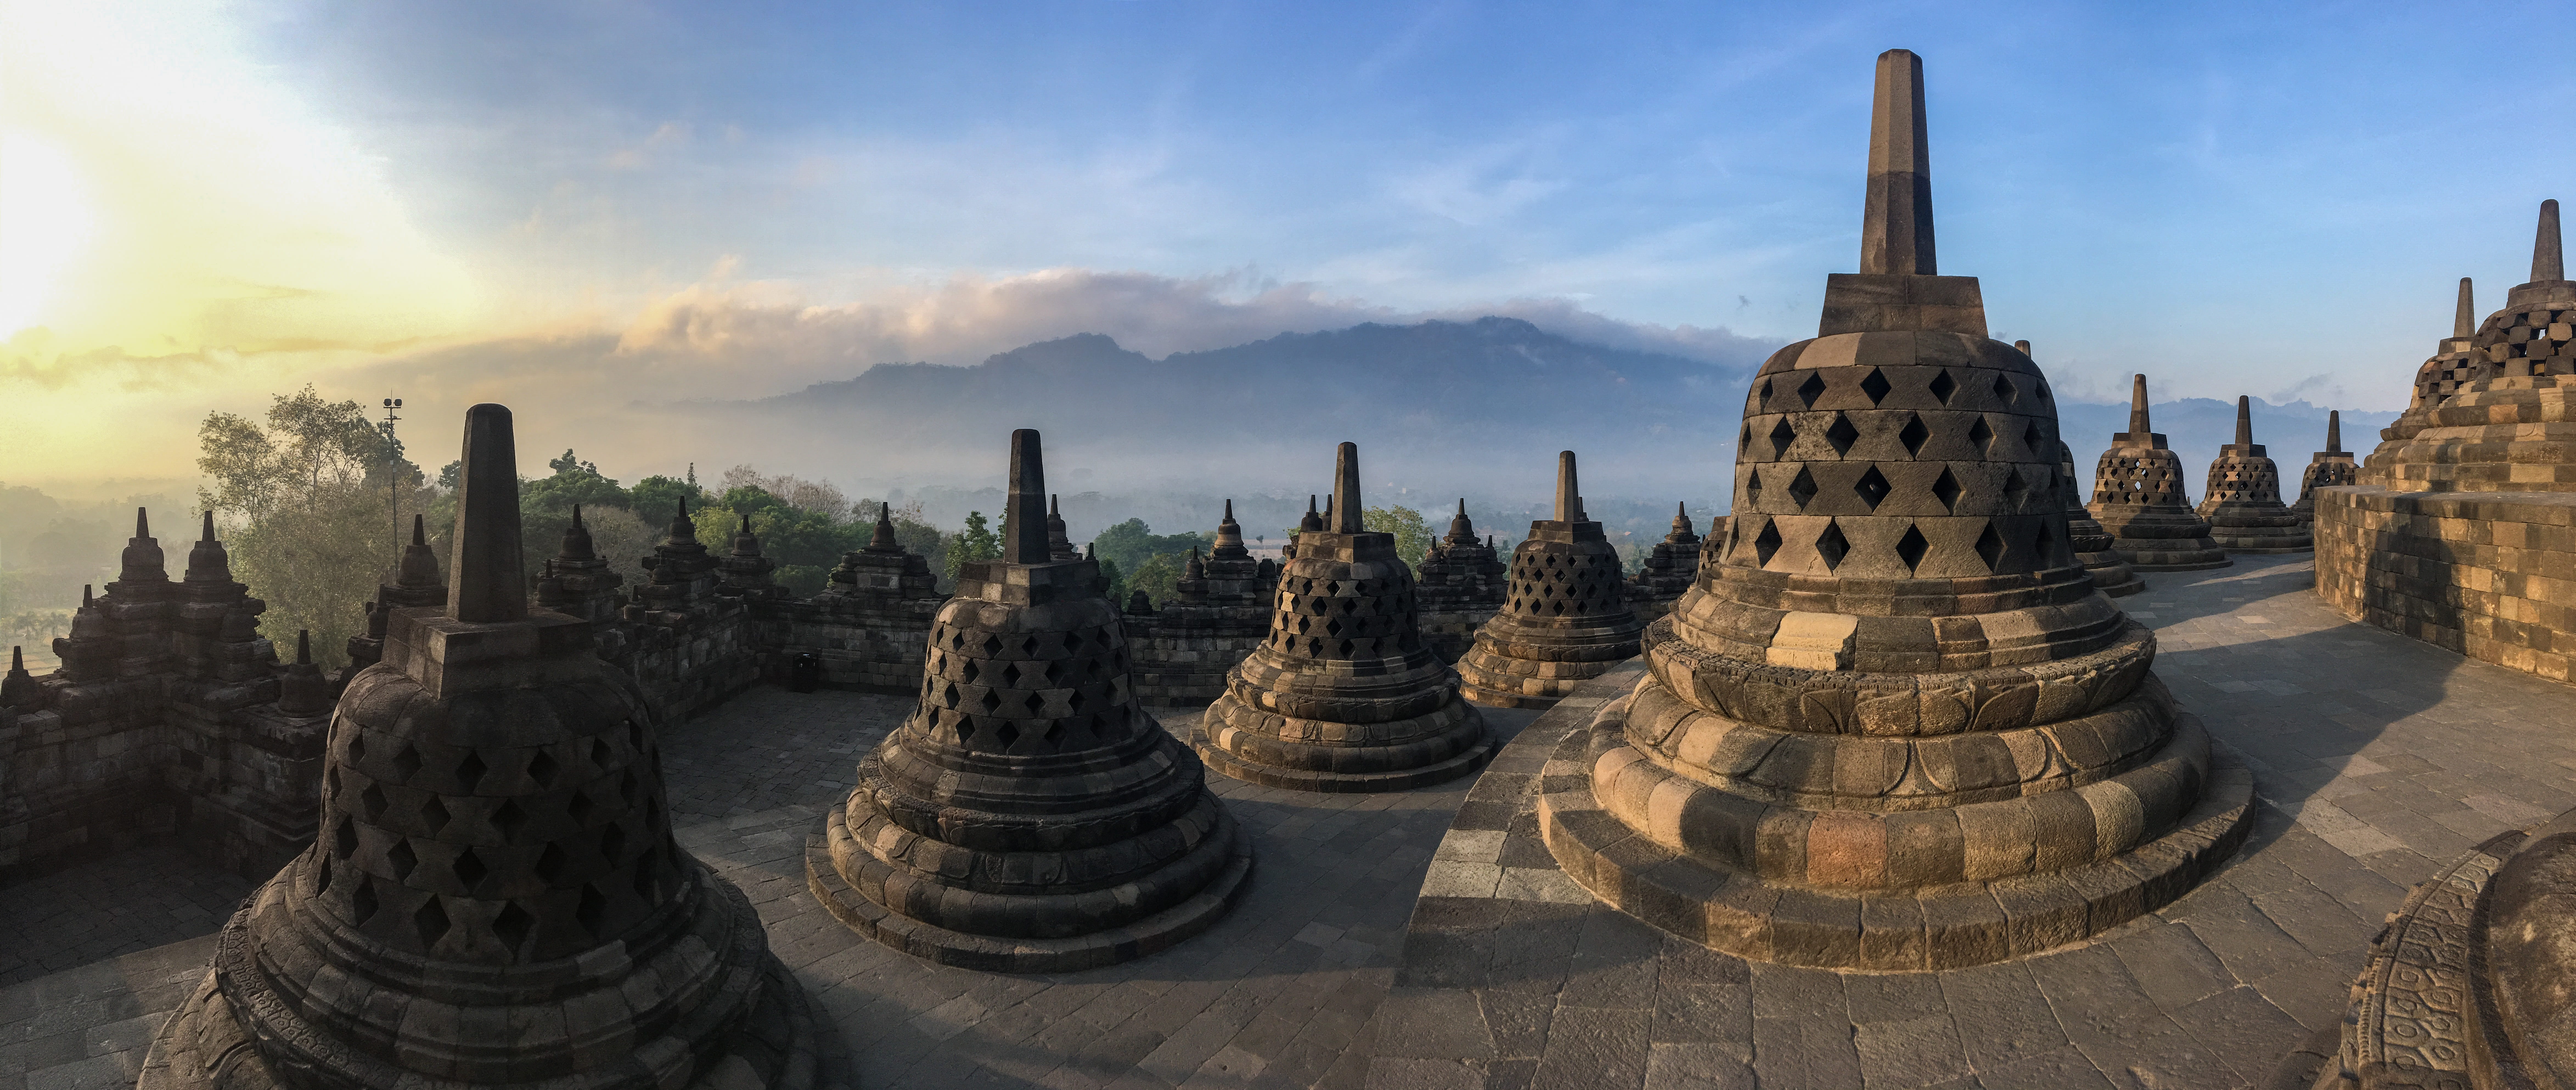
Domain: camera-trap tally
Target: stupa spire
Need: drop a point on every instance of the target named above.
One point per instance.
(1024, 519)
(1896, 218)
(883, 541)
(2138, 423)
(208, 562)
(1346, 489)
(1312, 521)
(576, 540)
(2464, 319)
(2548, 259)
(2244, 421)
(1569, 496)
(486, 576)
(419, 566)
(2334, 430)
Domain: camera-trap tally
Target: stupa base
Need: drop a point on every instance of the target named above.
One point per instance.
(2172, 554)
(783, 1044)
(1936, 927)
(1500, 681)
(861, 913)
(2111, 574)
(1326, 781)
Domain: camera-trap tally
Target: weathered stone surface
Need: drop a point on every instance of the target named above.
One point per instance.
(871, 625)
(2458, 533)
(2243, 502)
(1894, 726)
(1671, 567)
(496, 897)
(2325, 469)
(2138, 497)
(1460, 585)
(1029, 816)
(1218, 613)
(1567, 618)
(1343, 693)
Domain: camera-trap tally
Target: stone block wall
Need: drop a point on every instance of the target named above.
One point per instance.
(1450, 628)
(688, 661)
(80, 776)
(1179, 655)
(868, 643)
(2491, 575)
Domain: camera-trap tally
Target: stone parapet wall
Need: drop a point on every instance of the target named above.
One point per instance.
(865, 642)
(80, 777)
(690, 660)
(1179, 655)
(2491, 575)
(1450, 629)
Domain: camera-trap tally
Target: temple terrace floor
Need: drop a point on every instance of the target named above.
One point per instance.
(2376, 759)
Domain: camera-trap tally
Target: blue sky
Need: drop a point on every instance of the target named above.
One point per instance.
(2264, 199)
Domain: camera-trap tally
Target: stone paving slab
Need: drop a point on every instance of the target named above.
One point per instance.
(2376, 759)
(1276, 995)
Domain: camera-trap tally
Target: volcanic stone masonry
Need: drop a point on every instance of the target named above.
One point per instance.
(2138, 497)
(169, 717)
(2325, 469)
(692, 646)
(2453, 365)
(1894, 726)
(1343, 695)
(1029, 816)
(1671, 567)
(2103, 562)
(2459, 533)
(1567, 620)
(2243, 501)
(1460, 585)
(870, 626)
(2466, 987)
(1218, 613)
(417, 585)
(496, 898)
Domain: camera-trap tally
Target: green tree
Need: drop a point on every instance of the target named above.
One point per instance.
(312, 494)
(1412, 535)
(1132, 543)
(654, 498)
(1158, 577)
(976, 542)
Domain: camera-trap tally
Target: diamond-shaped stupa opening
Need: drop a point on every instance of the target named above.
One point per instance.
(1832, 546)
(1914, 434)
(1872, 487)
(1811, 389)
(1875, 384)
(1911, 547)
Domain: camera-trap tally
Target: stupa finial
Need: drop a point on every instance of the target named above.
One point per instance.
(2138, 424)
(486, 576)
(2464, 320)
(1569, 496)
(1896, 219)
(1312, 521)
(1346, 489)
(1024, 520)
(883, 541)
(2334, 428)
(2548, 259)
(142, 522)
(2244, 421)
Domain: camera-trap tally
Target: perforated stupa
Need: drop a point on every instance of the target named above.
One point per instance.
(1894, 726)
(1566, 620)
(2138, 497)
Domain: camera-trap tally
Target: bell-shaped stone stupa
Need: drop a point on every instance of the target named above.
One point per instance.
(1567, 619)
(1671, 566)
(495, 898)
(2325, 469)
(1028, 816)
(2138, 496)
(2103, 562)
(1894, 726)
(1344, 694)
(1460, 584)
(1218, 612)
(2511, 428)
(2454, 364)
(2243, 501)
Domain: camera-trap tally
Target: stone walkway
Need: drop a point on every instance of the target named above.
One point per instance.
(2376, 759)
